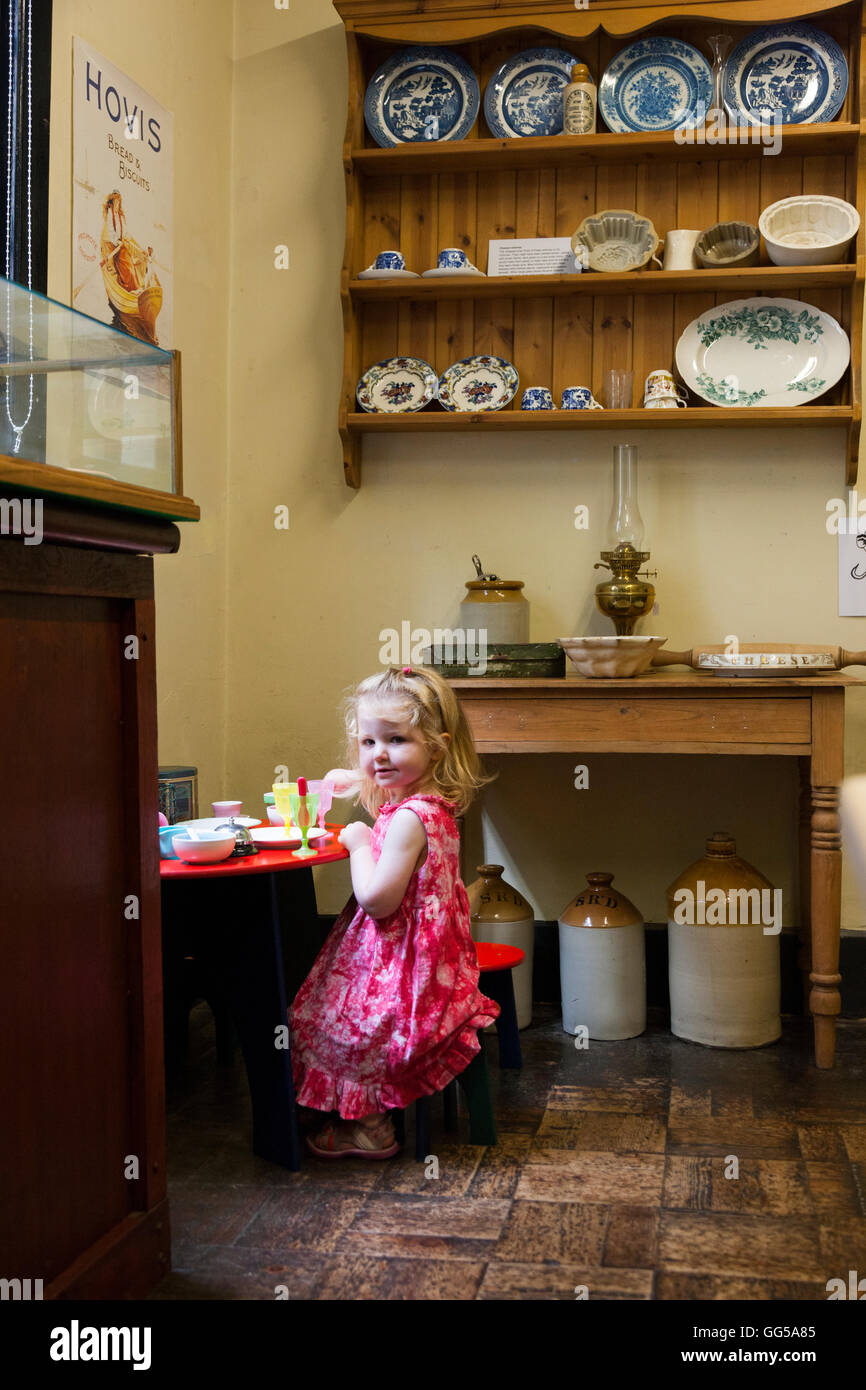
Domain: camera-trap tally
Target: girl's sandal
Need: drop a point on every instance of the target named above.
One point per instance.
(358, 1142)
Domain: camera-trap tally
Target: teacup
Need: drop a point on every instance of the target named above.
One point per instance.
(660, 383)
(579, 398)
(226, 808)
(536, 398)
(390, 260)
(666, 402)
(452, 258)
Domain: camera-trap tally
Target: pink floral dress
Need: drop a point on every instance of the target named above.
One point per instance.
(391, 1008)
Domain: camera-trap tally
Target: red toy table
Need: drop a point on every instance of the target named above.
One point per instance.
(252, 928)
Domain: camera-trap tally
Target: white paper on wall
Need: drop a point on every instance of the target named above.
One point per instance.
(852, 572)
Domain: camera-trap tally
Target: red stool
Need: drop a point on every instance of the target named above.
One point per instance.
(496, 964)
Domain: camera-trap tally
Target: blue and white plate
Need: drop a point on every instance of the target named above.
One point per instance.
(478, 383)
(397, 386)
(422, 94)
(524, 97)
(655, 84)
(762, 351)
(793, 69)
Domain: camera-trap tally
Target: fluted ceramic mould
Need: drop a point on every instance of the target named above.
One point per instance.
(616, 240)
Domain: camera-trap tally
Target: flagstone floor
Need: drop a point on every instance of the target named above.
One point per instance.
(645, 1169)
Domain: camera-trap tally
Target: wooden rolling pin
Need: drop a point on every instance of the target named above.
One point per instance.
(840, 656)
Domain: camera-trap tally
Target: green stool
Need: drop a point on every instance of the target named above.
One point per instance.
(475, 1081)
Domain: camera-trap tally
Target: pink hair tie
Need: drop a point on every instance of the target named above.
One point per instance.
(407, 670)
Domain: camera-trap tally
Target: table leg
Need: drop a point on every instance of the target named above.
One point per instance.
(804, 925)
(257, 998)
(825, 1000)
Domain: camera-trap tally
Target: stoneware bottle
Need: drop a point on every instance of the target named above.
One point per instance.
(579, 103)
(602, 963)
(724, 971)
(502, 915)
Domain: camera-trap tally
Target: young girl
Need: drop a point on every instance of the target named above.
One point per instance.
(391, 1008)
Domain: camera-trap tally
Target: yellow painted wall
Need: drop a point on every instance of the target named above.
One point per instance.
(261, 630)
(736, 525)
(181, 52)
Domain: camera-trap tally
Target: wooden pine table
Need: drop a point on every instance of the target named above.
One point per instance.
(688, 712)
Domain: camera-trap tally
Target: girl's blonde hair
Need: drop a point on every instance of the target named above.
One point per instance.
(432, 707)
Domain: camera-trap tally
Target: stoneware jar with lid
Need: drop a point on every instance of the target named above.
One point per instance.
(602, 962)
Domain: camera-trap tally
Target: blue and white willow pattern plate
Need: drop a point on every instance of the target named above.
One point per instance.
(422, 94)
(524, 96)
(759, 352)
(655, 84)
(793, 69)
(478, 383)
(397, 386)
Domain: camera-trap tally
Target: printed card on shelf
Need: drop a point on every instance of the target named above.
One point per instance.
(532, 256)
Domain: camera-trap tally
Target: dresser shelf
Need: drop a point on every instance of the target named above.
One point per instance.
(701, 417)
(774, 279)
(565, 330)
(478, 156)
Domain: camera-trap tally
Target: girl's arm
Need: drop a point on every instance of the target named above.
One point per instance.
(380, 887)
(346, 782)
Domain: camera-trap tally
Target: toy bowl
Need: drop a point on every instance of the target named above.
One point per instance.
(606, 657)
(210, 847)
(616, 240)
(813, 229)
(728, 244)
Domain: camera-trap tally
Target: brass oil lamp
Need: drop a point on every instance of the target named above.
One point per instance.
(625, 596)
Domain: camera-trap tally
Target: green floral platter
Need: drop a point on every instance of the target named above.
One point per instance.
(762, 352)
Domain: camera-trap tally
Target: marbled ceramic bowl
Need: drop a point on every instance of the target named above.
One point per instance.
(610, 656)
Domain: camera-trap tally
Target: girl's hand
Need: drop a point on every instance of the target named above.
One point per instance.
(345, 781)
(355, 835)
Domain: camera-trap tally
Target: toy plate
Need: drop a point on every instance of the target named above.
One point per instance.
(275, 837)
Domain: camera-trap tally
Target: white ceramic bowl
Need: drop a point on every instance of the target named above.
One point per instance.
(209, 848)
(610, 656)
(813, 229)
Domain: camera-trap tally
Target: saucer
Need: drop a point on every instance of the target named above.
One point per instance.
(446, 274)
(388, 275)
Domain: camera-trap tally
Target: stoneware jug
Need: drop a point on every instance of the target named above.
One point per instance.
(502, 915)
(723, 951)
(602, 962)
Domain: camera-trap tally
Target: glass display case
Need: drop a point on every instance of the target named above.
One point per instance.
(87, 410)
